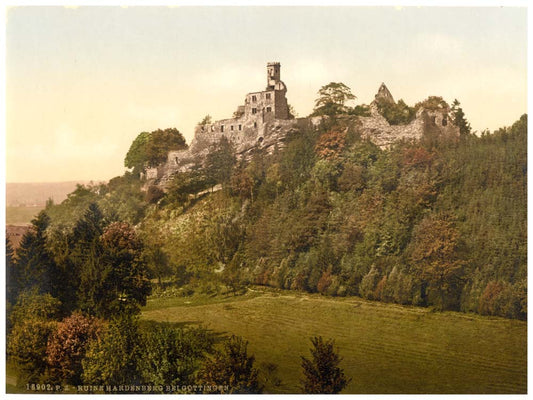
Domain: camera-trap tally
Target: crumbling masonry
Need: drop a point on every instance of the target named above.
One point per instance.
(264, 122)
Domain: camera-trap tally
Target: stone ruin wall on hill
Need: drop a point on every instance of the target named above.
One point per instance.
(264, 122)
(378, 130)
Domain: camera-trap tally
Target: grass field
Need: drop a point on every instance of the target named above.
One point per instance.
(386, 348)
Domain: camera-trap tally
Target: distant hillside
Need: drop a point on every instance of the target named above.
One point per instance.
(36, 194)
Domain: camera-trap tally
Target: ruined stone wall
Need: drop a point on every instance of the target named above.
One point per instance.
(381, 133)
(281, 110)
(377, 129)
(263, 122)
(260, 102)
(269, 136)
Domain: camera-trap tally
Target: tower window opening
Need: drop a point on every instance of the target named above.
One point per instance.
(231, 127)
(255, 124)
(269, 109)
(254, 98)
(221, 128)
(240, 127)
(268, 96)
(254, 110)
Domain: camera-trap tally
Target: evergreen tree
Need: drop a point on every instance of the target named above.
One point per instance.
(232, 367)
(12, 275)
(459, 119)
(322, 373)
(35, 263)
(85, 254)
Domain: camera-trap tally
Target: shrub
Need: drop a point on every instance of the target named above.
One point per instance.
(171, 356)
(33, 322)
(154, 194)
(67, 347)
(396, 113)
(112, 359)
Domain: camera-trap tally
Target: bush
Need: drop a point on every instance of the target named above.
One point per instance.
(154, 194)
(396, 113)
(112, 359)
(67, 347)
(33, 322)
(171, 356)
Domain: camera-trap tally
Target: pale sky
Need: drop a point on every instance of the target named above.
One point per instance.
(82, 83)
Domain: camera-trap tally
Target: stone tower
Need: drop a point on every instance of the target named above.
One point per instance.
(273, 74)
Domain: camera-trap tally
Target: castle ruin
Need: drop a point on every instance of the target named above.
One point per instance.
(265, 120)
(262, 122)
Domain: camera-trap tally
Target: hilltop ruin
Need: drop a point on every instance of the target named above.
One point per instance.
(265, 120)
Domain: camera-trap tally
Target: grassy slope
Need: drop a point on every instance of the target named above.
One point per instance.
(386, 348)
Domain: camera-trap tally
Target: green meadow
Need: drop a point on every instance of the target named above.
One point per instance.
(385, 348)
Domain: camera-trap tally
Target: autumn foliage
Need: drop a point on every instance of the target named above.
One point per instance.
(67, 346)
(331, 144)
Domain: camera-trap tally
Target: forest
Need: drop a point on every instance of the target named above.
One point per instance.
(437, 223)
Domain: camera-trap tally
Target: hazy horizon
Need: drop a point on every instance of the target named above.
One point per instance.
(83, 83)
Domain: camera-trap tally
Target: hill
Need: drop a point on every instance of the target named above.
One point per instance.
(437, 223)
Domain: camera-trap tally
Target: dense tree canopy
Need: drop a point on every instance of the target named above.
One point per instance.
(150, 149)
(335, 214)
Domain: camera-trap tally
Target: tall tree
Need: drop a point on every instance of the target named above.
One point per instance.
(322, 373)
(220, 161)
(35, 263)
(434, 254)
(85, 254)
(136, 155)
(125, 286)
(332, 99)
(12, 275)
